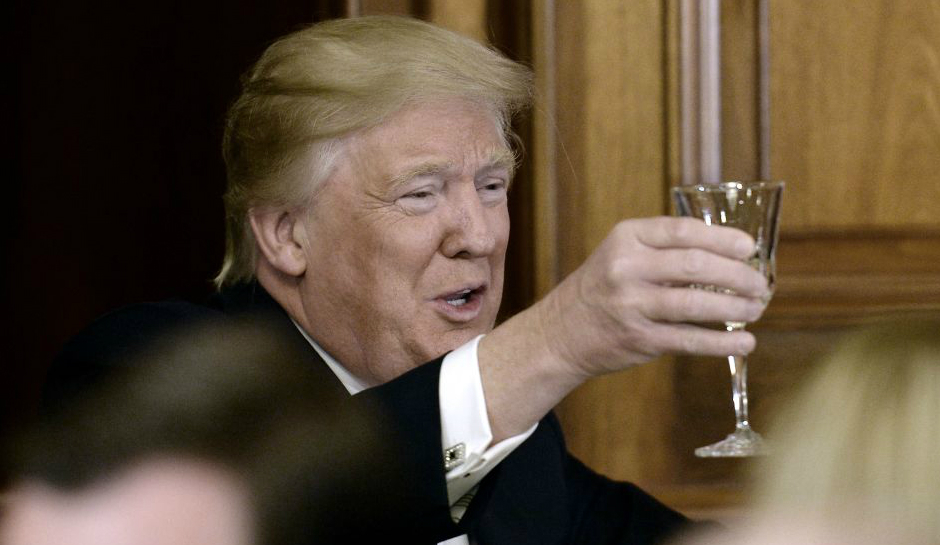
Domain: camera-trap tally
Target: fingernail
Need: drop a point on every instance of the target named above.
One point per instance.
(756, 309)
(763, 291)
(745, 247)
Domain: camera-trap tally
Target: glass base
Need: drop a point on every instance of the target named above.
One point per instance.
(743, 442)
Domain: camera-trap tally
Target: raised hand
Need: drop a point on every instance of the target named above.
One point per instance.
(628, 303)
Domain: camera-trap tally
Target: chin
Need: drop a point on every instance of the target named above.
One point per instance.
(455, 339)
(421, 353)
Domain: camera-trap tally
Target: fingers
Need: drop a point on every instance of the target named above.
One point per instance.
(680, 304)
(629, 302)
(691, 339)
(696, 266)
(667, 232)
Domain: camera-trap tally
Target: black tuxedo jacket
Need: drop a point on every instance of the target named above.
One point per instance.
(539, 494)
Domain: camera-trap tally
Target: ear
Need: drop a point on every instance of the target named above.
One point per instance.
(281, 239)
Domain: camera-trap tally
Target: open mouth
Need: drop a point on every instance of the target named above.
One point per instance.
(463, 305)
(463, 297)
(460, 298)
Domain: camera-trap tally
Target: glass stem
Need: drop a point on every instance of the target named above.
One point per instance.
(738, 365)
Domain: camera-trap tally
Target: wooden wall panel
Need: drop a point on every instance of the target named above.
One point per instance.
(467, 17)
(855, 128)
(610, 118)
(623, 131)
(849, 278)
(545, 149)
(739, 85)
(385, 7)
(611, 163)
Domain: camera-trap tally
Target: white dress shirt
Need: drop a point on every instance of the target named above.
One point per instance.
(465, 424)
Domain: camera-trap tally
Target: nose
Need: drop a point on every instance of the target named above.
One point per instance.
(469, 232)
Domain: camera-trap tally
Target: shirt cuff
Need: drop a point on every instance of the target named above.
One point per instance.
(465, 424)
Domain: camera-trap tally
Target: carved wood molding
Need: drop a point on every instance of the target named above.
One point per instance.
(545, 147)
(700, 91)
(842, 278)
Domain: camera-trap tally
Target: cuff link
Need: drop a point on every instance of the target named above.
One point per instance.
(454, 456)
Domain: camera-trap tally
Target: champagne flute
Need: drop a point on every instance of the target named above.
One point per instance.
(754, 208)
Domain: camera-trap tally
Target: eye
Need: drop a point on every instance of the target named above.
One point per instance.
(492, 189)
(420, 200)
(421, 194)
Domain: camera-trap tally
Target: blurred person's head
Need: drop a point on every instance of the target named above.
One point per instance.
(222, 433)
(856, 453)
(153, 501)
(369, 161)
(862, 438)
(805, 528)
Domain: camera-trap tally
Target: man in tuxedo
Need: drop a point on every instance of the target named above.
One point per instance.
(369, 162)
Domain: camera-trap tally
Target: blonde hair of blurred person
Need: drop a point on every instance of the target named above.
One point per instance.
(864, 433)
(317, 86)
(856, 453)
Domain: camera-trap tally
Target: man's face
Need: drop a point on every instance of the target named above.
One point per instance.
(406, 241)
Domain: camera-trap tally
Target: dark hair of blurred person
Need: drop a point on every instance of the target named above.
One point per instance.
(221, 429)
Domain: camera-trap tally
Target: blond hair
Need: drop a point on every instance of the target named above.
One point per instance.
(863, 436)
(313, 87)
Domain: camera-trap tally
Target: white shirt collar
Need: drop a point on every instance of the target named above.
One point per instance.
(352, 383)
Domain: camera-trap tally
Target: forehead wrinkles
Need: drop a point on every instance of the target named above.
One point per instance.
(472, 163)
(400, 150)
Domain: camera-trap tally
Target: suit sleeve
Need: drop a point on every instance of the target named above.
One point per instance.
(542, 495)
(410, 407)
(604, 511)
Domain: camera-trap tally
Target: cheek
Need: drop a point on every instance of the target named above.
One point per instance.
(398, 268)
(407, 248)
(500, 227)
(377, 255)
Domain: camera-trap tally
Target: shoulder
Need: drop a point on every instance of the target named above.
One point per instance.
(116, 340)
(122, 331)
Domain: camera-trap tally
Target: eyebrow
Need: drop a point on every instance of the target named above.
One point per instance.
(503, 158)
(424, 169)
(499, 158)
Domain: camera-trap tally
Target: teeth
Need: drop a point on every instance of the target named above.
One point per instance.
(460, 298)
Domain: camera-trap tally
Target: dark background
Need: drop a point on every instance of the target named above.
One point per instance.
(112, 123)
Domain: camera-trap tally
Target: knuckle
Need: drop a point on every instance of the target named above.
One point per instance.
(690, 304)
(615, 272)
(636, 333)
(643, 341)
(693, 261)
(677, 230)
(689, 343)
(681, 229)
(623, 228)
